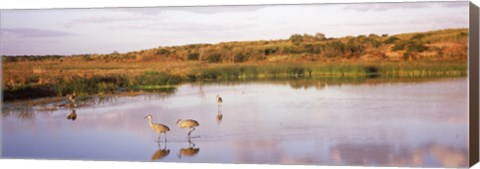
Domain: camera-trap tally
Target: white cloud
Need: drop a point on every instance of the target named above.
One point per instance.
(127, 29)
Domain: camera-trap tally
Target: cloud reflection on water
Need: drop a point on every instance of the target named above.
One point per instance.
(379, 124)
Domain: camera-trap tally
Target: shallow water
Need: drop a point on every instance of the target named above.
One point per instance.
(292, 122)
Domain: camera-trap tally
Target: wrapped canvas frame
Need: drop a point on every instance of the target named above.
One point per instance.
(473, 84)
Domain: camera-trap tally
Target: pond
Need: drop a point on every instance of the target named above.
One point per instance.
(370, 123)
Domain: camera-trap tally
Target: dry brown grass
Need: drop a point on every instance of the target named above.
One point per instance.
(445, 54)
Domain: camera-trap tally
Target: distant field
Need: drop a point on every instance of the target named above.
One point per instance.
(430, 54)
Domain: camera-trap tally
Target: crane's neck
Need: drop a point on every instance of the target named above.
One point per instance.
(150, 121)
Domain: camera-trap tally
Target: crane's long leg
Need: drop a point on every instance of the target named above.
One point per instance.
(191, 131)
(165, 137)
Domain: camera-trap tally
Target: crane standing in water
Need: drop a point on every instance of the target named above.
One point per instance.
(189, 123)
(219, 101)
(72, 97)
(159, 128)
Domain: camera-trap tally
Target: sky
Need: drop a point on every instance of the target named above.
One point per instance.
(105, 30)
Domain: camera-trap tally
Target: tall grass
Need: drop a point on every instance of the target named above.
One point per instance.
(246, 71)
(154, 81)
(164, 81)
(298, 70)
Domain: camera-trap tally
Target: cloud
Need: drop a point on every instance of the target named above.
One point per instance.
(143, 10)
(34, 33)
(220, 9)
(154, 13)
(107, 19)
(197, 27)
(402, 5)
(385, 6)
(112, 15)
(195, 9)
(454, 4)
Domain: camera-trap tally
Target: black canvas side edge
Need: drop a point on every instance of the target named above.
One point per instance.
(473, 51)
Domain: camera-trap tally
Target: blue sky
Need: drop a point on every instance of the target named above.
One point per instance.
(86, 31)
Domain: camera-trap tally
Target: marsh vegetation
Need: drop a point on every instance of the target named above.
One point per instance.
(440, 53)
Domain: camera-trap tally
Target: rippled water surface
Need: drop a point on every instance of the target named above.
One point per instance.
(281, 122)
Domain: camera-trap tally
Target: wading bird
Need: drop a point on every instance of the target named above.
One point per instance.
(189, 123)
(219, 100)
(159, 128)
(72, 97)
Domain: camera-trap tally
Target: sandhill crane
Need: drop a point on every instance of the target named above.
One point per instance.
(160, 153)
(73, 115)
(72, 97)
(219, 100)
(159, 128)
(189, 123)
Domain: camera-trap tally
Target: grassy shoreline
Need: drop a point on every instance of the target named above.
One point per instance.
(163, 77)
(437, 53)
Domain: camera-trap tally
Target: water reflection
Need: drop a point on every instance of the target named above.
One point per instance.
(319, 82)
(66, 104)
(402, 124)
(219, 116)
(47, 108)
(73, 115)
(161, 152)
(122, 98)
(190, 151)
(390, 155)
(19, 112)
(305, 84)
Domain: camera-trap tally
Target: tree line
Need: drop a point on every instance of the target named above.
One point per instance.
(297, 47)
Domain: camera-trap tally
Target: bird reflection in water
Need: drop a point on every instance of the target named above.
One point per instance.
(219, 116)
(161, 153)
(219, 109)
(190, 151)
(73, 115)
